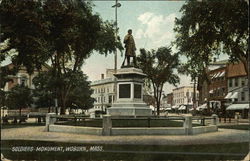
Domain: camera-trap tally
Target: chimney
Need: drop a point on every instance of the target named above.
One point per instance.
(102, 76)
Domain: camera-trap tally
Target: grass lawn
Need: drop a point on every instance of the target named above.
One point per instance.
(232, 151)
(127, 123)
(237, 127)
(25, 124)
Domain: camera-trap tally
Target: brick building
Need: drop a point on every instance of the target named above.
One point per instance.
(170, 99)
(238, 90)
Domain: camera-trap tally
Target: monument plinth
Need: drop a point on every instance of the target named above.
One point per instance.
(129, 101)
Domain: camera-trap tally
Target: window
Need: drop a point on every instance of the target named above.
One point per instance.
(242, 96)
(230, 83)
(243, 82)
(23, 81)
(110, 99)
(236, 82)
(187, 94)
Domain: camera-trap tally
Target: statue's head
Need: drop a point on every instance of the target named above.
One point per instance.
(130, 31)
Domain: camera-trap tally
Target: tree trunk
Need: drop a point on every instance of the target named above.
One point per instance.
(20, 114)
(158, 107)
(194, 96)
(63, 106)
(20, 111)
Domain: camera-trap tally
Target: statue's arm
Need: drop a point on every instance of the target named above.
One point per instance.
(125, 39)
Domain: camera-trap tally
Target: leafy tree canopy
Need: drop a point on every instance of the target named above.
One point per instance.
(39, 29)
(208, 28)
(159, 65)
(62, 32)
(78, 97)
(19, 97)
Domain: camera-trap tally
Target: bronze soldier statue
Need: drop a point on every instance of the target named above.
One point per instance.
(130, 49)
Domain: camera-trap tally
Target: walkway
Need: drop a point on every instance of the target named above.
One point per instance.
(38, 133)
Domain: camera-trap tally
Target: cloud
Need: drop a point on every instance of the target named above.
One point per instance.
(157, 28)
(139, 33)
(145, 17)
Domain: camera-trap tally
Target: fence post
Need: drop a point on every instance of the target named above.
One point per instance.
(106, 125)
(92, 115)
(237, 118)
(214, 120)
(49, 120)
(188, 125)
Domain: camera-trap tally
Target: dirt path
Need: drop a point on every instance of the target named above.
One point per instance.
(38, 133)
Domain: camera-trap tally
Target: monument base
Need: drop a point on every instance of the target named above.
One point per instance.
(129, 100)
(129, 109)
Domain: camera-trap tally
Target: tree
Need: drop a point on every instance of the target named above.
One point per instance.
(19, 97)
(79, 95)
(62, 32)
(6, 71)
(159, 66)
(2, 98)
(24, 27)
(44, 89)
(197, 71)
(208, 28)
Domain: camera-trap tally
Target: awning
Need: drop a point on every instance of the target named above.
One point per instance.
(228, 96)
(211, 91)
(213, 76)
(175, 107)
(201, 107)
(217, 75)
(222, 74)
(168, 109)
(235, 95)
(238, 107)
(182, 107)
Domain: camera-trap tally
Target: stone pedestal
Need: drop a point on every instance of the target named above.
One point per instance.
(129, 101)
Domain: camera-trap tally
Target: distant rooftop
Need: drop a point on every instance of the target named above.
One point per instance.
(183, 87)
(221, 62)
(102, 81)
(236, 70)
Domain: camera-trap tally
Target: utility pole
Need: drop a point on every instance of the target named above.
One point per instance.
(116, 34)
(116, 39)
(116, 30)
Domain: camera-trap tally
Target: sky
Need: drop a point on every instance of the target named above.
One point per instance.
(152, 23)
